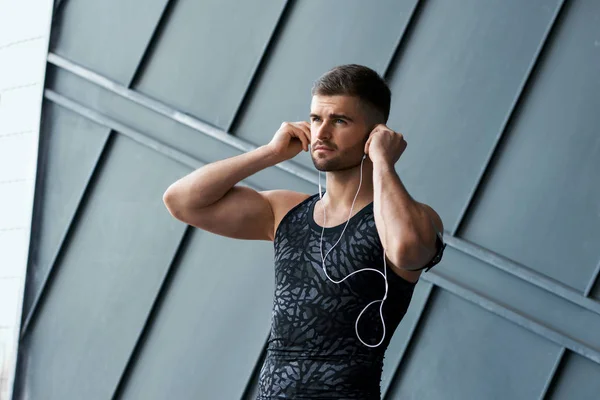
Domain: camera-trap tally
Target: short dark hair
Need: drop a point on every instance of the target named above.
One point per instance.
(356, 80)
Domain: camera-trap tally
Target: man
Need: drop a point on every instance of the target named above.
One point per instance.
(345, 264)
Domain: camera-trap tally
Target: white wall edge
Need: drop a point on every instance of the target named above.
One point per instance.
(15, 265)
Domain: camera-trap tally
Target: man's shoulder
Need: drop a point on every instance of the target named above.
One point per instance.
(283, 201)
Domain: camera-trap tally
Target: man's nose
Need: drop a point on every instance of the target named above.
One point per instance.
(321, 132)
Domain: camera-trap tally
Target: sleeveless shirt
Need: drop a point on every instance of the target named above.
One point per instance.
(313, 351)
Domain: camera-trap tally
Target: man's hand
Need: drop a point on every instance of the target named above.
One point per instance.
(384, 145)
(290, 140)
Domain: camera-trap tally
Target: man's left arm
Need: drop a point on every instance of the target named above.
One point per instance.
(411, 232)
(408, 229)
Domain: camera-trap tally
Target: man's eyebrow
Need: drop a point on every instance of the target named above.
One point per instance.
(333, 116)
(340, 116)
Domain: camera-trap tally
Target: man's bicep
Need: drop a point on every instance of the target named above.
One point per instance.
(242, 213)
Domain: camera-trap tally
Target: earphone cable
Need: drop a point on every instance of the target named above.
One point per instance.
(384, 274)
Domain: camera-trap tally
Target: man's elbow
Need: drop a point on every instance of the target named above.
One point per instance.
(172, 200)
(409, 256)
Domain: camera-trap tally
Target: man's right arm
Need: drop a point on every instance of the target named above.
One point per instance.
(211, 199)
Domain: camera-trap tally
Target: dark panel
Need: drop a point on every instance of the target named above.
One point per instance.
(579, 379)
(464, 352)
(317, 37)
(69, 149)
(544, 186)
(166, 130)
(532, 302)
(212, 325)
(106, 281)
(108, 36)
(404, 333)
(252, 389)
(595, 292)
(454, 85)
(207, 54)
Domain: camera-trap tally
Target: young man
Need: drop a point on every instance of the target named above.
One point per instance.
(345, 264)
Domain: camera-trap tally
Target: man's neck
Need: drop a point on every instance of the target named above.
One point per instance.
(342, 187)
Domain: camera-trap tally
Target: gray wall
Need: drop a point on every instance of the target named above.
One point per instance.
(498, 101)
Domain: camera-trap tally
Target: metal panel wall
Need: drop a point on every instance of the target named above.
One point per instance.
(498, 101)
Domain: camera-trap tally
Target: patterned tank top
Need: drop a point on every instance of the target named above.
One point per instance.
(313, 351)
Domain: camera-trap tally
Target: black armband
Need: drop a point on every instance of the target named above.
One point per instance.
(440, 246)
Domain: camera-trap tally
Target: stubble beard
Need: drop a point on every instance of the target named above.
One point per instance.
(333, 164)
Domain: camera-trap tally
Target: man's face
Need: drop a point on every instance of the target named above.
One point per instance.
(340, 125)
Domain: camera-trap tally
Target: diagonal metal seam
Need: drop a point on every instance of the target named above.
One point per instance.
(595, 275)
(163, 19)
(524, 273)
(50, 274)
(259, 68)
(255, 371)
(550, 381)
(178, 116)
(163, 288)
(509, 118)
(513, 315)
(535, 278)
(404, 37)
(422, 307)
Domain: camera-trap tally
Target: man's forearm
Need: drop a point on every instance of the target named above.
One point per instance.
(210, 183)
(406, 231)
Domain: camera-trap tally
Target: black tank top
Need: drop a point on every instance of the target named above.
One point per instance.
(313, 351)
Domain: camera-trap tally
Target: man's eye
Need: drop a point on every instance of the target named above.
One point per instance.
(340, 121)
(314, 119)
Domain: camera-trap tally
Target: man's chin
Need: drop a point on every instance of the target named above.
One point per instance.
(322, 165)
(322, 168)
(326, 167)
(333, 165)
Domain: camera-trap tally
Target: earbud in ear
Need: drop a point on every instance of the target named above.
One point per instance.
(364, 157)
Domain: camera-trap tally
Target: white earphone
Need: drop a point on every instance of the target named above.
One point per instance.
(384, 274)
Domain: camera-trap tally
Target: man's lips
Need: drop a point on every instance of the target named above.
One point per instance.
(325, 148)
